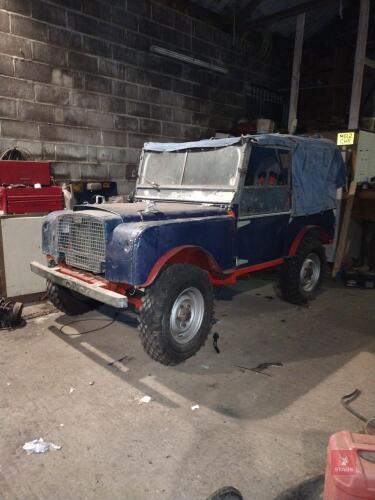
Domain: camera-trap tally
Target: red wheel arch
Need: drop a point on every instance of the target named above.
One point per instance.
(185, 254)
(324, 238)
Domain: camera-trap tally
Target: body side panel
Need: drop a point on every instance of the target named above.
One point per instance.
(264, 238)
(261, 238)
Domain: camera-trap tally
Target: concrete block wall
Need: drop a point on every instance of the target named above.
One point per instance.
(80, 87)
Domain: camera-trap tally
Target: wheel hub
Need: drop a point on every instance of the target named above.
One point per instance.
(310, 272)
(187, 315)
(184, 314)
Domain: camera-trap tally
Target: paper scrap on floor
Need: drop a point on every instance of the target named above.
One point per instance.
(39, 446)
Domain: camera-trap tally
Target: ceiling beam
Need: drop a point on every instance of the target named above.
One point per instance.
(250, 8)
(234, 19)
(248, 22)
(194, 10)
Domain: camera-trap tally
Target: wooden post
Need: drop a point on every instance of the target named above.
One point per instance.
(355, 106)
(297, 57)
(359, 63)
(341, 247)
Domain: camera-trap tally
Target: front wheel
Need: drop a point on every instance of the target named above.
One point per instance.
(177, 314)
(302, 275)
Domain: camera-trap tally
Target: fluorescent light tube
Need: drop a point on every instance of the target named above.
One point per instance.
(184, 58)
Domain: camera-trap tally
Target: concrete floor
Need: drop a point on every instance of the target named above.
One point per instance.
(261, 434)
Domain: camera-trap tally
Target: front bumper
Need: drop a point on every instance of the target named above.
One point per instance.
(92, 290)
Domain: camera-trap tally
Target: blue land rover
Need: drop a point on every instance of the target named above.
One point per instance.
(203, 214)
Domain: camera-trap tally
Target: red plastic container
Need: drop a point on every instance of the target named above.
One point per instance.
(25, 172)
(30, 200)
(350, 471)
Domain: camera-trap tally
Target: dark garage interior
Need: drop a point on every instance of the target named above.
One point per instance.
(187, 249)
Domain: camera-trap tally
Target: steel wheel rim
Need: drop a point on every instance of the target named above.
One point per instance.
(310, 272)
(186, 315)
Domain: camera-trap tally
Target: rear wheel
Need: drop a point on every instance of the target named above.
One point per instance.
(67, 301)
(301, 276)
(177, 313)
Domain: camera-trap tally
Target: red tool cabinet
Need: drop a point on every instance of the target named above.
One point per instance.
(26, 200)
(18, 194)
(27, 173)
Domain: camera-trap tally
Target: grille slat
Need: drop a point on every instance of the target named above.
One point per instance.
(82, 239)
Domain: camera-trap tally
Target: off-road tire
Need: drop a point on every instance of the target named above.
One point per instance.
(226, 493)
(154, 321)
(67, 302)
(290, 285)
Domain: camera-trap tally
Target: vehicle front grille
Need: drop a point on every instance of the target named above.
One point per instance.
(81, 238)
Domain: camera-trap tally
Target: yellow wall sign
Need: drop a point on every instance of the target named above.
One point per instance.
(345, 138)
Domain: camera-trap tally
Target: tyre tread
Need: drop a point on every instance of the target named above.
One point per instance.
(289, 278)
(65, 302)
(152, 310)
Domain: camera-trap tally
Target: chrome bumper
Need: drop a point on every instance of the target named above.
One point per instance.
(93, 291)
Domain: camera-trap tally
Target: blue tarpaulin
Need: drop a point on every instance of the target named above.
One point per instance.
(318, 168)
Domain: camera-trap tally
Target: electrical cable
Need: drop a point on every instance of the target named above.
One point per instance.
(109, 323)
(349, 398)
